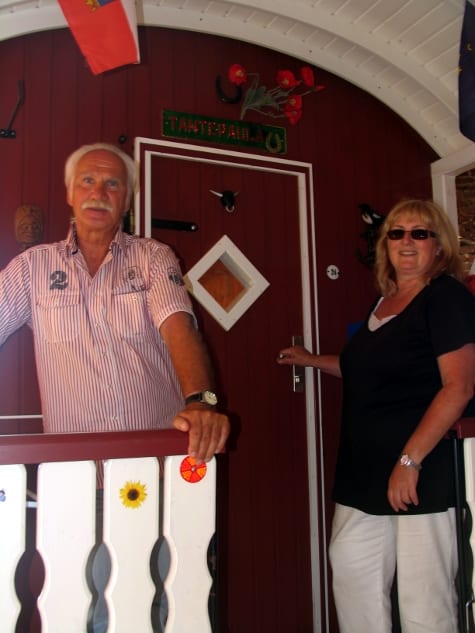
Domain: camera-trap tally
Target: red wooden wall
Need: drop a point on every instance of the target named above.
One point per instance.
(361, 152)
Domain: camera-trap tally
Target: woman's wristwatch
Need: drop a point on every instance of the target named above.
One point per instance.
(405, 460)
(207, 397)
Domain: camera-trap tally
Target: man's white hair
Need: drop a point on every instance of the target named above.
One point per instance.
(75, 157)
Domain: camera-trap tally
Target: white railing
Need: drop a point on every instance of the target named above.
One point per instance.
(146, 500)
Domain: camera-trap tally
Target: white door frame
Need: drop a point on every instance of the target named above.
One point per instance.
(444, 172)
(304, 174)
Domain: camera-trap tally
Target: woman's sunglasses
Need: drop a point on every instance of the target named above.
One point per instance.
(416, 234)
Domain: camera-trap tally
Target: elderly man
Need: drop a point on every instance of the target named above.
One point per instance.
(116, 342)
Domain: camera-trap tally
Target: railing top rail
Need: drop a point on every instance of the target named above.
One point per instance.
(67, 447)
(465, 427)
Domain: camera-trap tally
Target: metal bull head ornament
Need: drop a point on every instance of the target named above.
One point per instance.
(228, 199)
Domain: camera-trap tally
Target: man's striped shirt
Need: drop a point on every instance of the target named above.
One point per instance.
(101, 362)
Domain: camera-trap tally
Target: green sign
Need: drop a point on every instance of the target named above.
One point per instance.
(244, 133)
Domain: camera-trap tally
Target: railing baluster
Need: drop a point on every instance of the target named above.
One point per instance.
(12, 540)
(65, 538)
(131, 509)
(188, 525)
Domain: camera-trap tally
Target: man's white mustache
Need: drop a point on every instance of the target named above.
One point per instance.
(96, 204)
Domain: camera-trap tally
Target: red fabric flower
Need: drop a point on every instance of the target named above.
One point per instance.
(293, 116)
(294, 102)
(286, 79)
(237, 74)
(308, 76)
(282, 100)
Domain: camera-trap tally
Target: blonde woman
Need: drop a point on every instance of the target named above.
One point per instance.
(408, 374)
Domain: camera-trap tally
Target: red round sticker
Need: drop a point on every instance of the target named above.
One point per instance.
(191, 471)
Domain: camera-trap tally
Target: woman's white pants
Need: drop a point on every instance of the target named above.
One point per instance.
(365, 550)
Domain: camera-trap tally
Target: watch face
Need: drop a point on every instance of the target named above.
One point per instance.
(210, 398)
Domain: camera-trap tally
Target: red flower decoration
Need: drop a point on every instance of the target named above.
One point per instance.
(308, 76)
(294, 102)
(280, 101)
(293, 116)
(286, 80)
(237, 74)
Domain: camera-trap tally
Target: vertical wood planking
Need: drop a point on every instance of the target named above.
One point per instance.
(12, 541)
(35, 132)
(114, 107)
(188, 526)
(64, 133)
(138, 92)
(65, 538)
(12, 69)
(131, 502)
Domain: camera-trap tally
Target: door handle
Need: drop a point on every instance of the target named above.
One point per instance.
(298, 373)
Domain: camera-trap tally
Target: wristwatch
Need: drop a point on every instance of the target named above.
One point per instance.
(207, 397)
(405, 460)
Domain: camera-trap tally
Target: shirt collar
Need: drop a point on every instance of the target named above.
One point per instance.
(72, 246)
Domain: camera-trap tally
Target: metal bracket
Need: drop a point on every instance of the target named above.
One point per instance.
(8, 132)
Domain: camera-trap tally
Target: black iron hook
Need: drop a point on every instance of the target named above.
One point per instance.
(223, 96)
(8, 132)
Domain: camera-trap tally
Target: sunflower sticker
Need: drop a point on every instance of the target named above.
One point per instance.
(133, 494)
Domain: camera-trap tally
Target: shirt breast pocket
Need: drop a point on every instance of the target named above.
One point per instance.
(129, 316)
(58, 316)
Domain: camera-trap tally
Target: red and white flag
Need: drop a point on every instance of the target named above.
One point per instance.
(105, 30)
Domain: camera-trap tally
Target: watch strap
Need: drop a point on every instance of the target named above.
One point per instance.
(206, 397)
(405, 460)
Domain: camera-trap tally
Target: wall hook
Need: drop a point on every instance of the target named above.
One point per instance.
(8, 132)
(228, 199)
(223, 96)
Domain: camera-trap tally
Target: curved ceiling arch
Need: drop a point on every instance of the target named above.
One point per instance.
(403, 52)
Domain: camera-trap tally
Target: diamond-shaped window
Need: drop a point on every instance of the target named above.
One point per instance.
(225, 282)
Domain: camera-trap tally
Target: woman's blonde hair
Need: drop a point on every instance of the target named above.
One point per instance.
(434, 217)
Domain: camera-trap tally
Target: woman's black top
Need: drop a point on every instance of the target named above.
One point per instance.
(390, 376)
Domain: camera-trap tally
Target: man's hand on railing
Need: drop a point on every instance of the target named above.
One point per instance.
(208, 430)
